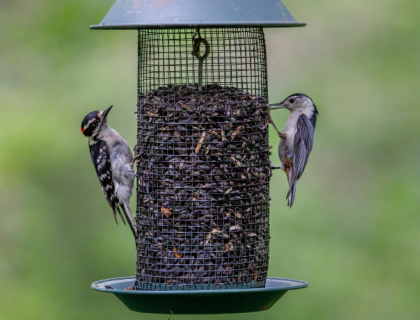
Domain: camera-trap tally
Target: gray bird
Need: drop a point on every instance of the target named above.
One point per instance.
(113, 162)
(296, 139)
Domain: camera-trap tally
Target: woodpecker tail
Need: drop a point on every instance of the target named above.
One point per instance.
(291, 194)
(130, 218)
(121, 216)
(114, 211)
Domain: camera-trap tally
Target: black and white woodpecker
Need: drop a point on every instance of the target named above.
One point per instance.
(113, 162)
(296, 139)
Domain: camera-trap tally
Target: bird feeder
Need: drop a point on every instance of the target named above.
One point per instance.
(202, 156)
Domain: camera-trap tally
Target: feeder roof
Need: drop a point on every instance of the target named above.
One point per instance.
(135, 14)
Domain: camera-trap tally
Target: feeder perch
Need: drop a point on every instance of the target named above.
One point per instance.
(202, 156)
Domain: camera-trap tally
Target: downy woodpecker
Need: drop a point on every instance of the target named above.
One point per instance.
(113, 163)
(296, 139)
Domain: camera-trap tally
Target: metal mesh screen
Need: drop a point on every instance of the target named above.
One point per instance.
(202, 160)
(237, 58)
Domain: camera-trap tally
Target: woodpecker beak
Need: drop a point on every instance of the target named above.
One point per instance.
(280, 104)
(105, 113)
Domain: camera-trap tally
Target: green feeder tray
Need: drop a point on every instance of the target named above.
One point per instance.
(199, 301)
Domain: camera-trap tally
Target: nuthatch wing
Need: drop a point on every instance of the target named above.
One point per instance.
(296, 139)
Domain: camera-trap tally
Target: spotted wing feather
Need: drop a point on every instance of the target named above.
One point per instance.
(99, 153)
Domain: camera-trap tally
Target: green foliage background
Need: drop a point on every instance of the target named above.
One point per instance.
(353, 233)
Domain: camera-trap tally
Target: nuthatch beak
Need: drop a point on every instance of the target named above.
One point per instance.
(280, 104)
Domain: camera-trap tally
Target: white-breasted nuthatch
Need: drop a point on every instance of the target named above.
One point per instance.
(113, 162)
(296, 139)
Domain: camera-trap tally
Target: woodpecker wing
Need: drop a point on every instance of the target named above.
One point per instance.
(99, 153)
(304, 138)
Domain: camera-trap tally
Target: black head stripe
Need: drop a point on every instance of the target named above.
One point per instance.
(89, 123)
(298, 95)
(91, 116)
(89, 131)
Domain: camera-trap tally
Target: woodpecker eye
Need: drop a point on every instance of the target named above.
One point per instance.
(292, 100)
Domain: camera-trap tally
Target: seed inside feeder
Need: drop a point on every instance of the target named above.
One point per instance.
(203, 188)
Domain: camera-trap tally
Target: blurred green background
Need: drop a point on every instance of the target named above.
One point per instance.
(354, 232)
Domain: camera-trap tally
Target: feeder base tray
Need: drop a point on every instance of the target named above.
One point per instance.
(199, 301)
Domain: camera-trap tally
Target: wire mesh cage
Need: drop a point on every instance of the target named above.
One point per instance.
(237, 58)
(202, 156)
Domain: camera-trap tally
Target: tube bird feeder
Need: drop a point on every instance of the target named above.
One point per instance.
(202, 156)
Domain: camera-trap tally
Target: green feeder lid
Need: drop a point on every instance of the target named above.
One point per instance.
(135, 14)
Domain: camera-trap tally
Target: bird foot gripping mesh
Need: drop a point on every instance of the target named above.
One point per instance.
(202, 160)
